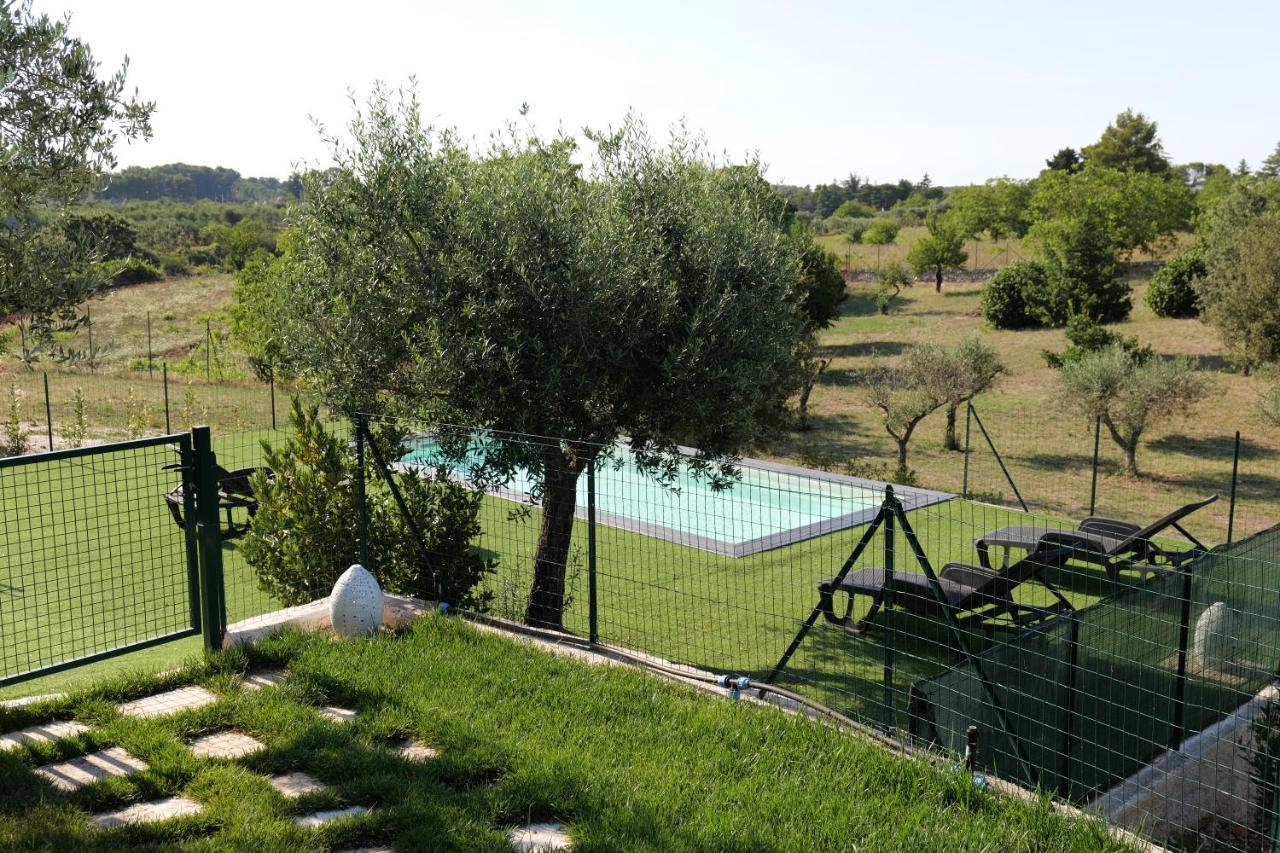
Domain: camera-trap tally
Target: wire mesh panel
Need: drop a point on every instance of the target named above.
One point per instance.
(91, 559)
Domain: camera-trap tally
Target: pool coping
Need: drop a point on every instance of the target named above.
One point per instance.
(911, 497)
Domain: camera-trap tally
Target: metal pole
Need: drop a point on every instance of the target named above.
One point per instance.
(49, 413)
(1093, 485)
(209, 533)
(887, 604)
(208, 348)
(1235, 470)
(593, 632)
(996, 453)
(1180, 686)
(968, 418)
(271, 377)
(363, 529)
(1069, 704)
(150, 366)
(93, 358)
(167, 427)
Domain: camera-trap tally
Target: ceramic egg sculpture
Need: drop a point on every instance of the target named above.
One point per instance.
(355, 607)
(1217, 642)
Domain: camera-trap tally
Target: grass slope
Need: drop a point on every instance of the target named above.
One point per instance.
(626, 761)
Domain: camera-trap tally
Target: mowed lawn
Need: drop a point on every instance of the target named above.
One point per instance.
(625, 761)
(1045, 441)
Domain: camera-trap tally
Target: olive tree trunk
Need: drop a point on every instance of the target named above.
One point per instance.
(561, 470)
(1127, 443)
(949, 439)
(937, 281)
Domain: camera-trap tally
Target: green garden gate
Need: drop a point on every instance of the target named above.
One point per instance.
(93, 561)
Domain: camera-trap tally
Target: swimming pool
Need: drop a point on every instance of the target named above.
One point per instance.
(770, 506)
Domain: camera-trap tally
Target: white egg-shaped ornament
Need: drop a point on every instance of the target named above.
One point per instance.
(355, 606)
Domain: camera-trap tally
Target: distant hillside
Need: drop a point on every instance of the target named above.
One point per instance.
(184, 182)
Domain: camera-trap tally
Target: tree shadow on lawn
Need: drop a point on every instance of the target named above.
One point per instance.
(1216, 447)
(865, 349)
(1054, 461)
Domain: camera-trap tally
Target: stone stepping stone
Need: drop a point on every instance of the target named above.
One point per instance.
(338, 715)
(226, 744)
(265, 678)
(43, 733)
(539, 838)
(152, 812)
(297, 784)
(162, 704)
(30, 700)
(321, 818)
(87, 769)
(413, 750)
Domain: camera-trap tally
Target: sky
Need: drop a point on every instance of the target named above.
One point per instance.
(962, 91)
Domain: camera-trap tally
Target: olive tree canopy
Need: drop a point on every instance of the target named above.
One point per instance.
(633, 289)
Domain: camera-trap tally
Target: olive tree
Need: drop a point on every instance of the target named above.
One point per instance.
(963, 372)
(1130, 395)
(632, 289)
(59, 122)
(823, 289)
(908, 392)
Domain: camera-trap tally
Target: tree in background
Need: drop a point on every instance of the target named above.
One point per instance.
(824, 292)
(1238, 292)
(881, 232)
(1084, 275)
(906, 393)
(647, 293)
(962, 373)
(1172, 290)
(1130, 143)
(998, 208)
(1065, 160)
(939, 250)
(60, 121)
(890, 282)
(1270, 167)
(1129, 395)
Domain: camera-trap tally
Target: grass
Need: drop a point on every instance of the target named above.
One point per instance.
(1047, 445)
(626, 761)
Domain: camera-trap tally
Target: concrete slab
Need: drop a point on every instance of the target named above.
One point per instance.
(87, 769)
(152, 812)
(321, 818)
(413, 750)
(338, 715)
(171, 702)
(226, 744)
(296, 784)
(265, 678)
(539, 838)
(31, 700)
(42, 733)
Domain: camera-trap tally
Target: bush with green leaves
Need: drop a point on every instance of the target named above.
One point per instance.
(306, 530)
(1172, 291)
(1084, 275)
(881, 232)
(854, 209)
(1005, 296)
(133, 270)
(855, 229)
(890, 282)
(1088, 336)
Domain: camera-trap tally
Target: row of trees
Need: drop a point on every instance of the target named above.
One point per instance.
(184, 182)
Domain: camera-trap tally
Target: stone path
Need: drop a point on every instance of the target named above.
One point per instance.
(264, 678)
(226, 744)
(162, 704)
(43, 733)
(297, 784)
(321, 818)
(338, 715)
(152, 812)
(413, 750)
(87, 769)
(539, 838)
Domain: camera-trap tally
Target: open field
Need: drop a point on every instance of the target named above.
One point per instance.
(1046, 443)
(625, 761)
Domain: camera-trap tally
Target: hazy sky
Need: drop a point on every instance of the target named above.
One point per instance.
(891, 89)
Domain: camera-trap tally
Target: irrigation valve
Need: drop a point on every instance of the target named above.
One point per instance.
(735, 686)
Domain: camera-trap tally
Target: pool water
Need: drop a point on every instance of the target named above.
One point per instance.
(769, 506)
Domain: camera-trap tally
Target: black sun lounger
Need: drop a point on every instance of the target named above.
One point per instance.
(1106, 542)
(234, 492)
(986, 595)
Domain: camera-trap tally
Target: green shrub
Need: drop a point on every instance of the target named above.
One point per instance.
(890, 282)
(854, 209)
(1005, 297)
(855, 228)
(1089, 336)
(133, 270)
(1172, 292)
(174, 264)
(1084, 276)
(305, 532)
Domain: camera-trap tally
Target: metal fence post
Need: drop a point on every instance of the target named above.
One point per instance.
(271, 378)
(1235, 470)
(1184, 636)
(209, 535)
(362, 531)
(968, 419)
(191, 535)
(208, 349)
(1069, 704)
(887, 604)
(593, 624)
(167, 427)
(49, 416)
(1093, 483)
(150, 366)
